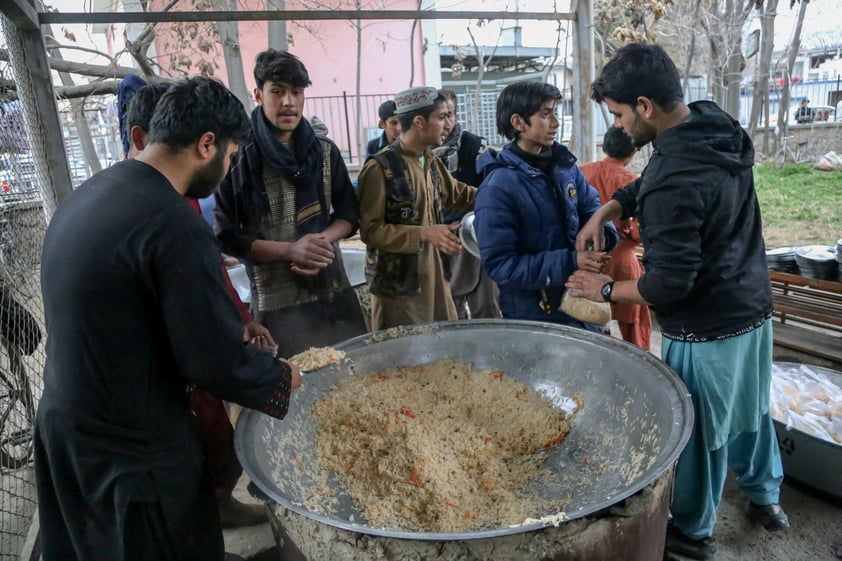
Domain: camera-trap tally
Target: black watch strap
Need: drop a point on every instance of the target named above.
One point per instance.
(606, 291)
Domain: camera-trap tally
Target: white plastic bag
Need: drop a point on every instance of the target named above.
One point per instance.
(597, 313)
(807, 401)
(829, 162)
(240, 280)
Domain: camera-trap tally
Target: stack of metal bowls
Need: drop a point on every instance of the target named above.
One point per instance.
(782, 259)
(839, 258)
(817, 261)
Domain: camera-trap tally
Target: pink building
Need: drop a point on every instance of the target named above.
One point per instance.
(392, 58)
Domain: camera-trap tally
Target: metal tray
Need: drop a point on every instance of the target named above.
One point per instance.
(806, 458)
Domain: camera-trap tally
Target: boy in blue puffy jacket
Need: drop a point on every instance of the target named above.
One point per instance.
(531, 206)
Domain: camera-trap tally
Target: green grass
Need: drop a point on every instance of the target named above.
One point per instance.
(800, 205)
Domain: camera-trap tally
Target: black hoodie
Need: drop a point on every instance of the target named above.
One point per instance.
(705, 260)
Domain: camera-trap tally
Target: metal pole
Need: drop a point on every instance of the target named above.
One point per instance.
(348, 127)
(584, 143)
(288, 15)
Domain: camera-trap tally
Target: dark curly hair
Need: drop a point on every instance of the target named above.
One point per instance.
(142, 105)
(617, 144)
(194, 106)
(522, 98)
(639, 69)
(280, 67)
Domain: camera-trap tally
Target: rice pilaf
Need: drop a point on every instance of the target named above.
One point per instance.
(442, 447)
(316, 357)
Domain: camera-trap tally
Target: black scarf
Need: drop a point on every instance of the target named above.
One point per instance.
(542, 161)
(302, 166)
(448, 152)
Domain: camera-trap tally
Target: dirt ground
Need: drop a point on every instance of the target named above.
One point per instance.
(815, 533)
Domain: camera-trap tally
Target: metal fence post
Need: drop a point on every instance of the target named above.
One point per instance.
(348, 127)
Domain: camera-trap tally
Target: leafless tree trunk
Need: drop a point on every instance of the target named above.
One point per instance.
(412, 47)
(77, 106)
(277, 30)
(140, 45)
(692, 47)
(230, 40)
(714, 77)
(358, 29)
(735, 62)
(482, 62)
(77, 109)
(763, 69)
(98, 70)
(548, 67)
(794, 47)
(725, 28)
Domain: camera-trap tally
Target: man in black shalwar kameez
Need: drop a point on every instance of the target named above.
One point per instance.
(136, 309)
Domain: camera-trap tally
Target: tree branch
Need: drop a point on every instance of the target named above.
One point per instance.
(53, 43)
(104, 87)
(99, 71)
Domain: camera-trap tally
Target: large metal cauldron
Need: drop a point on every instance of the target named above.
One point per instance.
(636, 418)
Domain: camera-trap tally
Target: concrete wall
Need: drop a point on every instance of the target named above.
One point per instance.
(824, 136)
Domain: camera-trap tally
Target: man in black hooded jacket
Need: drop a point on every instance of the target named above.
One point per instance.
(283, 208)
(706, 278)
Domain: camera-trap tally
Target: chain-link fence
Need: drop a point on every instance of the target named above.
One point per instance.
(22, 226)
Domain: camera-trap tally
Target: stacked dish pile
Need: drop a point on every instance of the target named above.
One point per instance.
(817, 261)
(839, 257)
(782, 259)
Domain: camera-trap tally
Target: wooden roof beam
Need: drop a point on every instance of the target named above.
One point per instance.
(22, 13)
(288, 15)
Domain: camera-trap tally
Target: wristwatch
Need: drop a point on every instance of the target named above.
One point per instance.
(606, 290)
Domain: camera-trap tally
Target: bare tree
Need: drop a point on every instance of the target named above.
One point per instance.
(412, 47)
(762, 74)
(792, 53)
(691, 50)
(723, 23)
(229, 38)
(77, 110)
(139, 46)
(482, 64)
(277, 30)
(617, 23)
(358, 26)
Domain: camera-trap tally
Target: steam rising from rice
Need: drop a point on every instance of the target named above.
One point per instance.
(442, 447)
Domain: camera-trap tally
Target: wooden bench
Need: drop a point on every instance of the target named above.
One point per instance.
(808, 315)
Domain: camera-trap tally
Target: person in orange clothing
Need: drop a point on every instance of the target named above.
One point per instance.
(606, 176)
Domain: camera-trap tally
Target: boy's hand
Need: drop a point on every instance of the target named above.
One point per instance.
(442, 238)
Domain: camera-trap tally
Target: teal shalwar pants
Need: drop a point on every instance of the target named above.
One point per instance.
(729, 381)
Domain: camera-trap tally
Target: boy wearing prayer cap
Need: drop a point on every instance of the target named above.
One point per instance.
(402, 191)
(391, 126)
